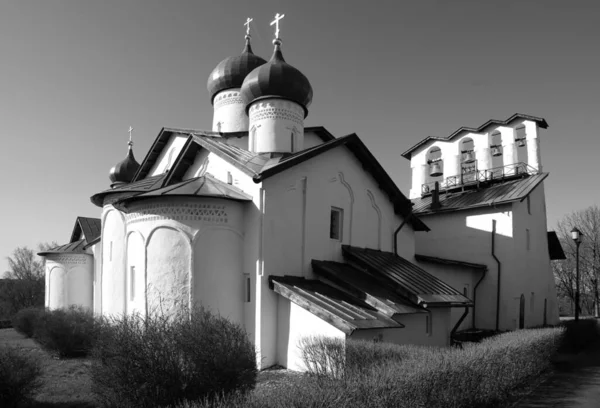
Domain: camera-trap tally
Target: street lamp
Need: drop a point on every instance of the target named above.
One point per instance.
(576, 235)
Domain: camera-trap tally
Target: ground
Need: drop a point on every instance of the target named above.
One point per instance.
(67, 384)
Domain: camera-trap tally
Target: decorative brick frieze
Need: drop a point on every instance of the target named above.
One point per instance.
(212, 213)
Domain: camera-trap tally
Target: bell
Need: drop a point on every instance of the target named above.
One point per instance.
(436, 170)
(496, 151)
(469, 157)
(521, 143)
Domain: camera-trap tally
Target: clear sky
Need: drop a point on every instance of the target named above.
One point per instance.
(75, 74)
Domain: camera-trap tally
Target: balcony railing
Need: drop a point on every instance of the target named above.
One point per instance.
(471, 176)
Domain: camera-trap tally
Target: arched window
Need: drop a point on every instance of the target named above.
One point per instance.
(468, 160)
(521, 143)
(436, 165)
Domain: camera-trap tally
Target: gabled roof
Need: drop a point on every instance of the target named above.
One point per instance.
(361, 285)
(77, 247)
(342, 311)
(405, 278)
(444, 261)
(90, 227)
(204, 186)
(554, 247)
(496, 194)
(131, 189)
(492, 122)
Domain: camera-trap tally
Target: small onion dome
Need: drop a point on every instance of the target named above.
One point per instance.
(230, 72)
(277, 79)
(124, 171)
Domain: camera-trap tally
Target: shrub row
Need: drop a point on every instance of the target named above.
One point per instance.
(19, 376)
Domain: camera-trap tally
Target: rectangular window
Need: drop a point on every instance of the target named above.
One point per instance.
(527, 239)
(466, 290)
(229, 178)
(110, 252)
(248, 288)
(292, 142)
(335, 226)
(132, 283)
(428, 324)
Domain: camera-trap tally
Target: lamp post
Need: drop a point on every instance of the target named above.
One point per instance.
(576, 235)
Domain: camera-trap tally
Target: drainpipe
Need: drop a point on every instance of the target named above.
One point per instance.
(499, 271)
(398, 230)
(475, 292)
(455, 328)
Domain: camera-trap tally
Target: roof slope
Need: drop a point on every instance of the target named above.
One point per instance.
(76, 247)
(555, 249)
(492, 122)
(406, 278)
(444, 261)
(496, 194)
(342, 311)
(90, 227)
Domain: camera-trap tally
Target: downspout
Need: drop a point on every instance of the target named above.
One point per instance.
(499, 274)
(398, 230)
(455, 328)
(475, 292)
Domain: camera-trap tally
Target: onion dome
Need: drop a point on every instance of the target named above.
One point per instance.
(124, 171)
(277, 79)
(230, 72)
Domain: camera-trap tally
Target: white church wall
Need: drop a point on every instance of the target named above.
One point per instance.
(466, 236)
(113, 262)
(70, 280)
(460, 278)
(168, 154)
(97, 294)
(136, 273)
(297, 224)
(417, 330)
(229, 112)
(276, 125)
(293, 324)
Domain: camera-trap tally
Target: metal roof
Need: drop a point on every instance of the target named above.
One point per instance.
(89, 226)
(76, 247)
(555, 249)
(540, 121)
(362, 286)
(444, 261)
(495, 194)
(342, 311)
(205, 186)
(130, 189)
(406, 278)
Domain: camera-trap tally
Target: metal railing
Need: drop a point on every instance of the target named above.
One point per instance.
(471, 175)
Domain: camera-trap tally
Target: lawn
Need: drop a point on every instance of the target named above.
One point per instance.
(66, 382)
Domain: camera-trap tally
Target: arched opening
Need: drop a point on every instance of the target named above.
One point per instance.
(522, 312)
(521, 144)
(496, 150)
(436, 165)
(468, 161)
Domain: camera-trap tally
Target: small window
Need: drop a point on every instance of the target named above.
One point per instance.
(428, 324)
(335, 226)
(466, 290)
(132, 283)
(293, 146)
(229, 178)
(110, 252)
(248, 288)
(527, 239)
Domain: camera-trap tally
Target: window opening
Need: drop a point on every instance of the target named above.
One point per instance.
(248, 288)
(132, 283)
(110, 252)
(293, 147)
(468, 160)
(428, 324)
(229, 178)
(335, 226)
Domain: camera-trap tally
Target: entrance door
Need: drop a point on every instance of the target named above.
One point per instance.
(522, 312)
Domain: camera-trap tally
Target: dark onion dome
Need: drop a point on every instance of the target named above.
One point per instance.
(230, 72)
(124, 171)
(277, 79)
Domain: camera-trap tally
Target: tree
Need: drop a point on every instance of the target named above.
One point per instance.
(25, 283)
(588, 222)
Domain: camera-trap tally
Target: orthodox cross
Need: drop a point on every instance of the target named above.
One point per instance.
(130, 141)
(247, 24)
(276, 22)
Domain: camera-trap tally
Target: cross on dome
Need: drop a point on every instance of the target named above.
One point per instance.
(247, 24)
(130, 141)
(276, 22)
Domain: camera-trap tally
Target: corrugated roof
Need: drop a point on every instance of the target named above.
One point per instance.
(554, 247)
(76, 247)
(540, 121)
(362, 286)
(406, 278)
(89, 226)
(495, 194)
(131, 189)
(205, 186)
(330, 304)
(444, 261)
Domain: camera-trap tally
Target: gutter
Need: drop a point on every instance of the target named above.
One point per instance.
(499, 274)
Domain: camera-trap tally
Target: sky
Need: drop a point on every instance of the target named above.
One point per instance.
(75, 74)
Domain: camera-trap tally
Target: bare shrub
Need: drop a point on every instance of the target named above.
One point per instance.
(19, 377)
(66, 332)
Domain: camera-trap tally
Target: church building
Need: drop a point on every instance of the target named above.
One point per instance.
(290, 231)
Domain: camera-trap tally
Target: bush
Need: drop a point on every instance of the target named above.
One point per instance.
(157, 361)
(67, 333)
(26, 319)
(19, 377)
(580, 335)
